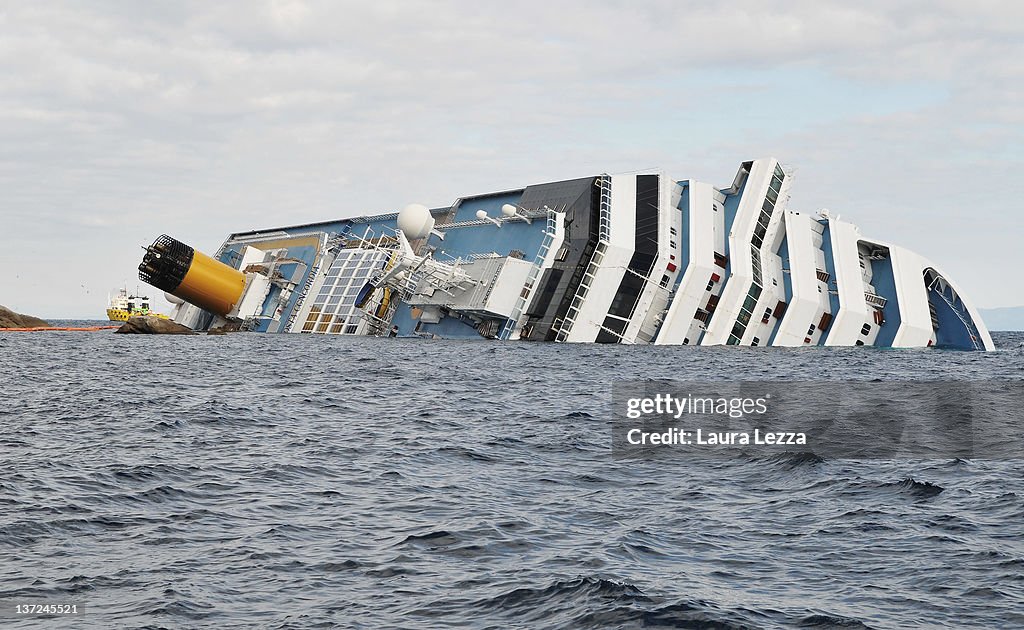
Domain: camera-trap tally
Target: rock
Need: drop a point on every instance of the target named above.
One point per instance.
(10, 319)
(149, 325)
(225, 328)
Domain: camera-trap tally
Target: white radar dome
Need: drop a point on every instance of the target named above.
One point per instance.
(481, 214)
(173, 299)
(415, 221)
(508, 210)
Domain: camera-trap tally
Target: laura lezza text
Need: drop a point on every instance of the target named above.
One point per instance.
(701, 437)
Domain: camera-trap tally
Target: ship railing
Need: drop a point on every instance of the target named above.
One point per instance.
(874, 300)
(513, 322)
(539, 213)
(604, 183)
(940, 291)
(596, 259)
(621, 337)
(636, 304)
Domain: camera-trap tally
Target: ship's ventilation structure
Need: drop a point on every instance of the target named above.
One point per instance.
(165, 263)
(207, 292)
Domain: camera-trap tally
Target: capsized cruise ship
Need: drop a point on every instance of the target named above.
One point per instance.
(624, 258)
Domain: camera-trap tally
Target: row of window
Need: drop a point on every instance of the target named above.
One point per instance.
(768, 208)
(746, 310)
(750, 303)
(755, 265)
(329, 324)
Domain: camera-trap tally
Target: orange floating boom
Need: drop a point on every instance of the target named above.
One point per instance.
(50, 328)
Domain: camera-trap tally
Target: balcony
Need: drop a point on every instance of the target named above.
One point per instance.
(874, 300)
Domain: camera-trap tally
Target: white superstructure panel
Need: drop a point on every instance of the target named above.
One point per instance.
(653, 300)
(692, 293)
(608, 276)
(805, 304)
(738, 286)
(915, 319)
(853, 310)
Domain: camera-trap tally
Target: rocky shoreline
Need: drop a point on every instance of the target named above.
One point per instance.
(10, 319)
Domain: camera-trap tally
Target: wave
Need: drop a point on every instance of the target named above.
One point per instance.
(560, 596)
(831, 621)
(917, 489)
(795, 459)
(588, 602)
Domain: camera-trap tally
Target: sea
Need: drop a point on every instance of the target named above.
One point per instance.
(298, 481)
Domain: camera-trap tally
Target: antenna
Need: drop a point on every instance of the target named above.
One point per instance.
(512, 212)
(483, 216)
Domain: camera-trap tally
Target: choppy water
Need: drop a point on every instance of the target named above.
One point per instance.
(298, 482)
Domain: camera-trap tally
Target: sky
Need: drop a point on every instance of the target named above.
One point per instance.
(120, 121)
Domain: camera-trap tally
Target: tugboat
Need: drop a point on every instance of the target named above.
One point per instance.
(122, 306)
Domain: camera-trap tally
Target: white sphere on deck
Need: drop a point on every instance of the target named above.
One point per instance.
(508, 210)
(415, 221)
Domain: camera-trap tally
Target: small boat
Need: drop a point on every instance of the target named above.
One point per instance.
(124, 305)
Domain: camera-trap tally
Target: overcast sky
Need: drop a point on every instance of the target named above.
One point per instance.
(122, 121)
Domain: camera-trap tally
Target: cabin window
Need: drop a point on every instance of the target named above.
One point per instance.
(865, 329)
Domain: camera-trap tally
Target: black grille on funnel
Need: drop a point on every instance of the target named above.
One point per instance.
(165, 263)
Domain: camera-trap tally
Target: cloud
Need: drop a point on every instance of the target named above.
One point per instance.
(197, 119)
